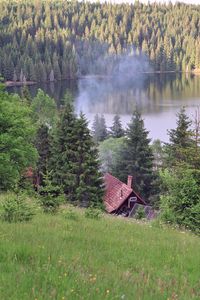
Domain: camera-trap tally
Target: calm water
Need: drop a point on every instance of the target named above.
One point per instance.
(158, 97)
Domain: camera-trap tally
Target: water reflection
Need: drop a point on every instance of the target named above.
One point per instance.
(159, 97)
(155, 94)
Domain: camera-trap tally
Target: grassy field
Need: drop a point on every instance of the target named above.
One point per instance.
(54, 257)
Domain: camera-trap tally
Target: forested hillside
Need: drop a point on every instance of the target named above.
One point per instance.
(53, 40)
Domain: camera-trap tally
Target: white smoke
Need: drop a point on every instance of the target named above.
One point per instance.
(113, 75)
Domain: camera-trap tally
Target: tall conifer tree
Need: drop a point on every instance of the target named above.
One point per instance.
(100, 132)
(75, 160)
(63, 151)
(179, 140)
(43, 147)
(137, 158)
(116, 129)
(89, 191)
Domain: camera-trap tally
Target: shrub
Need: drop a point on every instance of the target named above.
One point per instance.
(180, 205)
(140, 214)
(49, 203)
(50, 198)
(71, 214)
(16, 208)
(93, 213)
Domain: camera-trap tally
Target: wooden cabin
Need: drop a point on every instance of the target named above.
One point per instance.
(121, 199)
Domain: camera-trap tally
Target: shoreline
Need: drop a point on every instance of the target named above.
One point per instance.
(19, 83)
(28, 83)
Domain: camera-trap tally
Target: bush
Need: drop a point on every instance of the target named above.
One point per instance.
(16, 208)
(50, 195)
(140, 214)
(93, 213)
(71, 214)
(180, 205)
(49, 203)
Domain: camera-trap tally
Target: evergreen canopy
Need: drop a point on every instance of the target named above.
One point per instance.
(137, 158)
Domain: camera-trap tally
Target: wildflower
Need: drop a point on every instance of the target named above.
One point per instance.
(107, 292)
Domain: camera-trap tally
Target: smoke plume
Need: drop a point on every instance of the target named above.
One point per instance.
(108, 80)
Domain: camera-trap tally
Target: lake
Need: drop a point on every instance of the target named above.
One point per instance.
(158, 97)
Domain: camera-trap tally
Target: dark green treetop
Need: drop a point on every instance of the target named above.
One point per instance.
(137, 158)
(116, 129)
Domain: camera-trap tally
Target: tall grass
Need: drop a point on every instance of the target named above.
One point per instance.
(54, 257)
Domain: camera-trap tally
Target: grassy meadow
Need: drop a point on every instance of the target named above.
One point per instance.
(69, 256)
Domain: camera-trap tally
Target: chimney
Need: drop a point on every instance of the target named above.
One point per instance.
(129, 181)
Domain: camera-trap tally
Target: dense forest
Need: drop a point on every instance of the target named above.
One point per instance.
(54, 40)
(52, 154)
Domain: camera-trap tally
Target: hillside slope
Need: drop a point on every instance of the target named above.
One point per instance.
(54, 257)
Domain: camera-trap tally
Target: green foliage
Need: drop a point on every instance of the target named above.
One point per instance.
(49, 203)
(140, 214)
(100, 132)
(71, 214)
(44, 109)
(89, 182)
(74, 159)
(63, 151)
(180, 141)
(180, 204)
(49, 195)
(137, 158)
(43, 145)
(116, 129)
(25, 95)
(109, 153)
(17, 133)
(93, 213)
(61, 39)
(16, 208)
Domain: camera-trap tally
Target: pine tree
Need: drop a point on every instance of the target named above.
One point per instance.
(179, 140)
(74, 159)
(63, 150)
(116, 129)
(89, 183)
(43, 147)
(100, 132)
(137, 158)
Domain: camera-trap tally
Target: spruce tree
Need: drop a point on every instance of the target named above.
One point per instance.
(63, 150)
(42, 144)
(116, 129)
(179, 140)
(100, 132)
(88, 178)
(137, 158)
(74, 159)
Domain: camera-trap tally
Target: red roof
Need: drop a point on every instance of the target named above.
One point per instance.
(116, 193)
